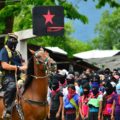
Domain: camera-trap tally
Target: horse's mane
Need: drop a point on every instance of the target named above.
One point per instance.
(30, 71)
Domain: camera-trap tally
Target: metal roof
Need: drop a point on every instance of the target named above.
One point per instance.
(106, 62)
(57, 50)
(96, 54)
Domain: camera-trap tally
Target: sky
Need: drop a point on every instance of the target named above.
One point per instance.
(85, 32)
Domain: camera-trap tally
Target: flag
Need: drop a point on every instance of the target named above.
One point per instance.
(48, 20)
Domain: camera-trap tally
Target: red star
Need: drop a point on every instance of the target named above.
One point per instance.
(48, 17)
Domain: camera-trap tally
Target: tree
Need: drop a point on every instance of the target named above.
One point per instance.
(108, 31)
(23, 11)
(2, 38)
(17, 16)
(112, 3)
(70, 11)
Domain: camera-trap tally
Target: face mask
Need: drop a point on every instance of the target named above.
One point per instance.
(69, 81)
(55, 87)
(109, 91)
(71, 91)
(85, 92)
(103, 84)
(12, 45)
(83, 81)
(62, 80)
(95, 91)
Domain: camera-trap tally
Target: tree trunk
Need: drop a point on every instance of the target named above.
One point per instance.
(8, 24)
(2, 4)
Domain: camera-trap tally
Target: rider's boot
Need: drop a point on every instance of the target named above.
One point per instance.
(6, 115)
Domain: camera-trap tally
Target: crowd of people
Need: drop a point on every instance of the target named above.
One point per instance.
(90, 95)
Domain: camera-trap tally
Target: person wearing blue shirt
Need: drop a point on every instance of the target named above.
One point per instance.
(71, 106)
(10, 69)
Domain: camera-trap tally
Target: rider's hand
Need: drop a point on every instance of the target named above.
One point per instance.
(22, 68)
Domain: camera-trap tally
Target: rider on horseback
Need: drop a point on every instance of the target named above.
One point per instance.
(10, 68)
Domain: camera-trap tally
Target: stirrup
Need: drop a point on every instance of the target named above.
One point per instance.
(6, 116)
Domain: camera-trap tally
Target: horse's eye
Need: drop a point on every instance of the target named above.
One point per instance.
(36, 54)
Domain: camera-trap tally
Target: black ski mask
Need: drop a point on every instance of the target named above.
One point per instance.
(61, 78)
(86, 92)
(109, 88)
(55, 86)
(95, 90)
(12, 42)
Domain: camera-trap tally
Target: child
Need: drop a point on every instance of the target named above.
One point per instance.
(83, 103)
(70, 108)
(56, 102)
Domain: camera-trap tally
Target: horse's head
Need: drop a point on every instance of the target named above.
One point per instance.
(42, 57)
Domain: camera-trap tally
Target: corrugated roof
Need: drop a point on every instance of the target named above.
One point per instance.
(57, 50)
(96, 54)
(107, 62)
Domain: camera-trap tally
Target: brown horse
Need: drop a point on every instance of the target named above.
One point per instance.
(34, 99)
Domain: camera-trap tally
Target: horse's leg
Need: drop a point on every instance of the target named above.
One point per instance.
(15, 114)
(1, 108)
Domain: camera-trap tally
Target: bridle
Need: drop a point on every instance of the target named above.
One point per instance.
(47, 65)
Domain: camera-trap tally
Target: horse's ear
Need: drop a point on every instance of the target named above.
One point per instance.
(32, 51)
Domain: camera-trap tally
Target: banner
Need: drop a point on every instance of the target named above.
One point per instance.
(48, 20)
